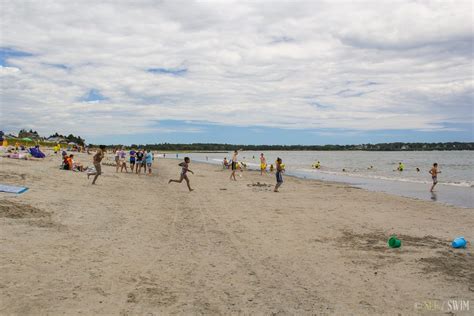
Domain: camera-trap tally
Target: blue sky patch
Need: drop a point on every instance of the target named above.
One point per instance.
(198, 132)
(93, 95)
(168, 71)
(7, 53)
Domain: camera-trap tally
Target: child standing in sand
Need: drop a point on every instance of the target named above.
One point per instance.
(149, 160)
(139, 161)
(117, 159)
(279, 174)
(434, 175)
(234, 165)
(133, 155)
(123, 163)
(97, 159)
(263, 164)
(185, 168)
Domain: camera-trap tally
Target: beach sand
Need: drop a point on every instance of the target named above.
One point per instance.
(136, 245)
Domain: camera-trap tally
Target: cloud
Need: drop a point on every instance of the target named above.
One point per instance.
(362, 66)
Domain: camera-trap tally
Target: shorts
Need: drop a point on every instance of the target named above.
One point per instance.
(435, 180)
(263, 166)
(98, 168)
(148, 164)
(279, 177)
(139, 162)
(234, 165)
(116, 158)
(132, 161)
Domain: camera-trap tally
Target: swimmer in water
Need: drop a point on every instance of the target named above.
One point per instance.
(401, 167)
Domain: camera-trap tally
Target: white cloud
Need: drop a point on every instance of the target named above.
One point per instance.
(366, 65)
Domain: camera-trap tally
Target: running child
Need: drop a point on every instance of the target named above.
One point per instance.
(185, 168)
(279, 174)
(434, 175)
(97, 159)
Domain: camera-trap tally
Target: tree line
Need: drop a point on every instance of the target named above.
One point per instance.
(34, 135)
(212, 147)
(70, 138)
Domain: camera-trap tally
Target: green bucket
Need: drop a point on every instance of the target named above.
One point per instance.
(394, 242)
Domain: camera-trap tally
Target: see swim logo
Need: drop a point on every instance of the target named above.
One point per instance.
(443, 306)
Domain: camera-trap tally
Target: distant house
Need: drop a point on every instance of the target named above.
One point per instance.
(10, 136)
(58, 140)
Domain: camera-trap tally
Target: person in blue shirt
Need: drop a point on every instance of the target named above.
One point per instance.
(133, 155)
(149, 160)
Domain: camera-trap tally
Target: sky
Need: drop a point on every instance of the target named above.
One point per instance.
(243, 72)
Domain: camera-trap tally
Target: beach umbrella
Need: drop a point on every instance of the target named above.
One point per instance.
(27, 139)
(71, 143)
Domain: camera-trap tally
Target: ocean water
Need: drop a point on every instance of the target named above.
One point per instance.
(455, 186)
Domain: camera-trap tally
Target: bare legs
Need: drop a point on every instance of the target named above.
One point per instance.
(139, 168)
(97, 173)
(124, 165)
(183, 177)
(277, 186)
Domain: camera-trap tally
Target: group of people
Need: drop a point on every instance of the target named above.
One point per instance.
(69, 163)
(144, 159)
(280, 168)
(138, 159)
(22, 152)
(401, 167)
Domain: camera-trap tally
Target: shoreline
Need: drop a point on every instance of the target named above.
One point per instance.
(458, 196)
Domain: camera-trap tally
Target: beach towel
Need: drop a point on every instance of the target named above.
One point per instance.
(17, 156)
(12, 189)
(35, 152)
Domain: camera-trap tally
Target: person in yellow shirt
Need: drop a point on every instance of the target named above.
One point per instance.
(279, 174)
(401, 166)
(263, 164)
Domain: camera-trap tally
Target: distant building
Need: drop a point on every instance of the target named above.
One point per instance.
(56, 140)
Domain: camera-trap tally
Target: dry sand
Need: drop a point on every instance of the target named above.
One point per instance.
(136, 245)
